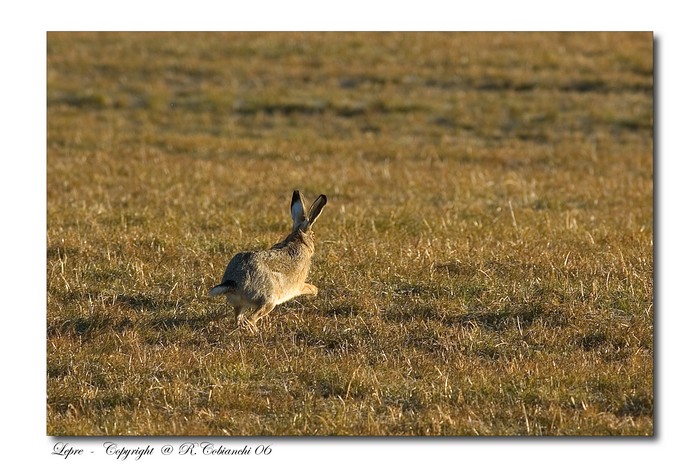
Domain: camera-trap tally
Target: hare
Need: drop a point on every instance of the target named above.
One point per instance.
(261, 280)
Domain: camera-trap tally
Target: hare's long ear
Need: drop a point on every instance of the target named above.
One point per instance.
(316, 210)
(298, 209)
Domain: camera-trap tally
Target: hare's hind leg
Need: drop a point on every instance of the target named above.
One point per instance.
(261, 312)
(309, 289)
(238, 306)
(237, 313)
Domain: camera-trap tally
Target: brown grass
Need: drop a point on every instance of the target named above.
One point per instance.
(484, 264)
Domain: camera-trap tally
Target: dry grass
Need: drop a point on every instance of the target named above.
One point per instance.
(484, 264)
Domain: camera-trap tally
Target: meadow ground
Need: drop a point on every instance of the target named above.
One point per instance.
(484, 263)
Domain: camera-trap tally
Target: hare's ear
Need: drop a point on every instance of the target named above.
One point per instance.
(316, 209)
(298, 209)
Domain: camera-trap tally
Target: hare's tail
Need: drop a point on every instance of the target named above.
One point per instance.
(223, 288)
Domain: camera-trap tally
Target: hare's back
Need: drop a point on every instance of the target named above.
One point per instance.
(250, 271)
(240, 266)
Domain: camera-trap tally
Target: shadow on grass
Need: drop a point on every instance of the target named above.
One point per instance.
(154, 314)
(521, 315)
(191, 321)
(342, 310)
(141, 302)
(636, 406)
(88, 326)
(496, 320)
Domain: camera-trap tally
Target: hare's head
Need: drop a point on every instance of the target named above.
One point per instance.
(303, 219)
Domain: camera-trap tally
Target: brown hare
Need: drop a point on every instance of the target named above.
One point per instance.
(261, 280)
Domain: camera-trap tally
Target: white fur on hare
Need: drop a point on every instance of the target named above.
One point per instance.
(257, 281)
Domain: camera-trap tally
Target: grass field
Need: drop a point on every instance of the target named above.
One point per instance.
(484, 263)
